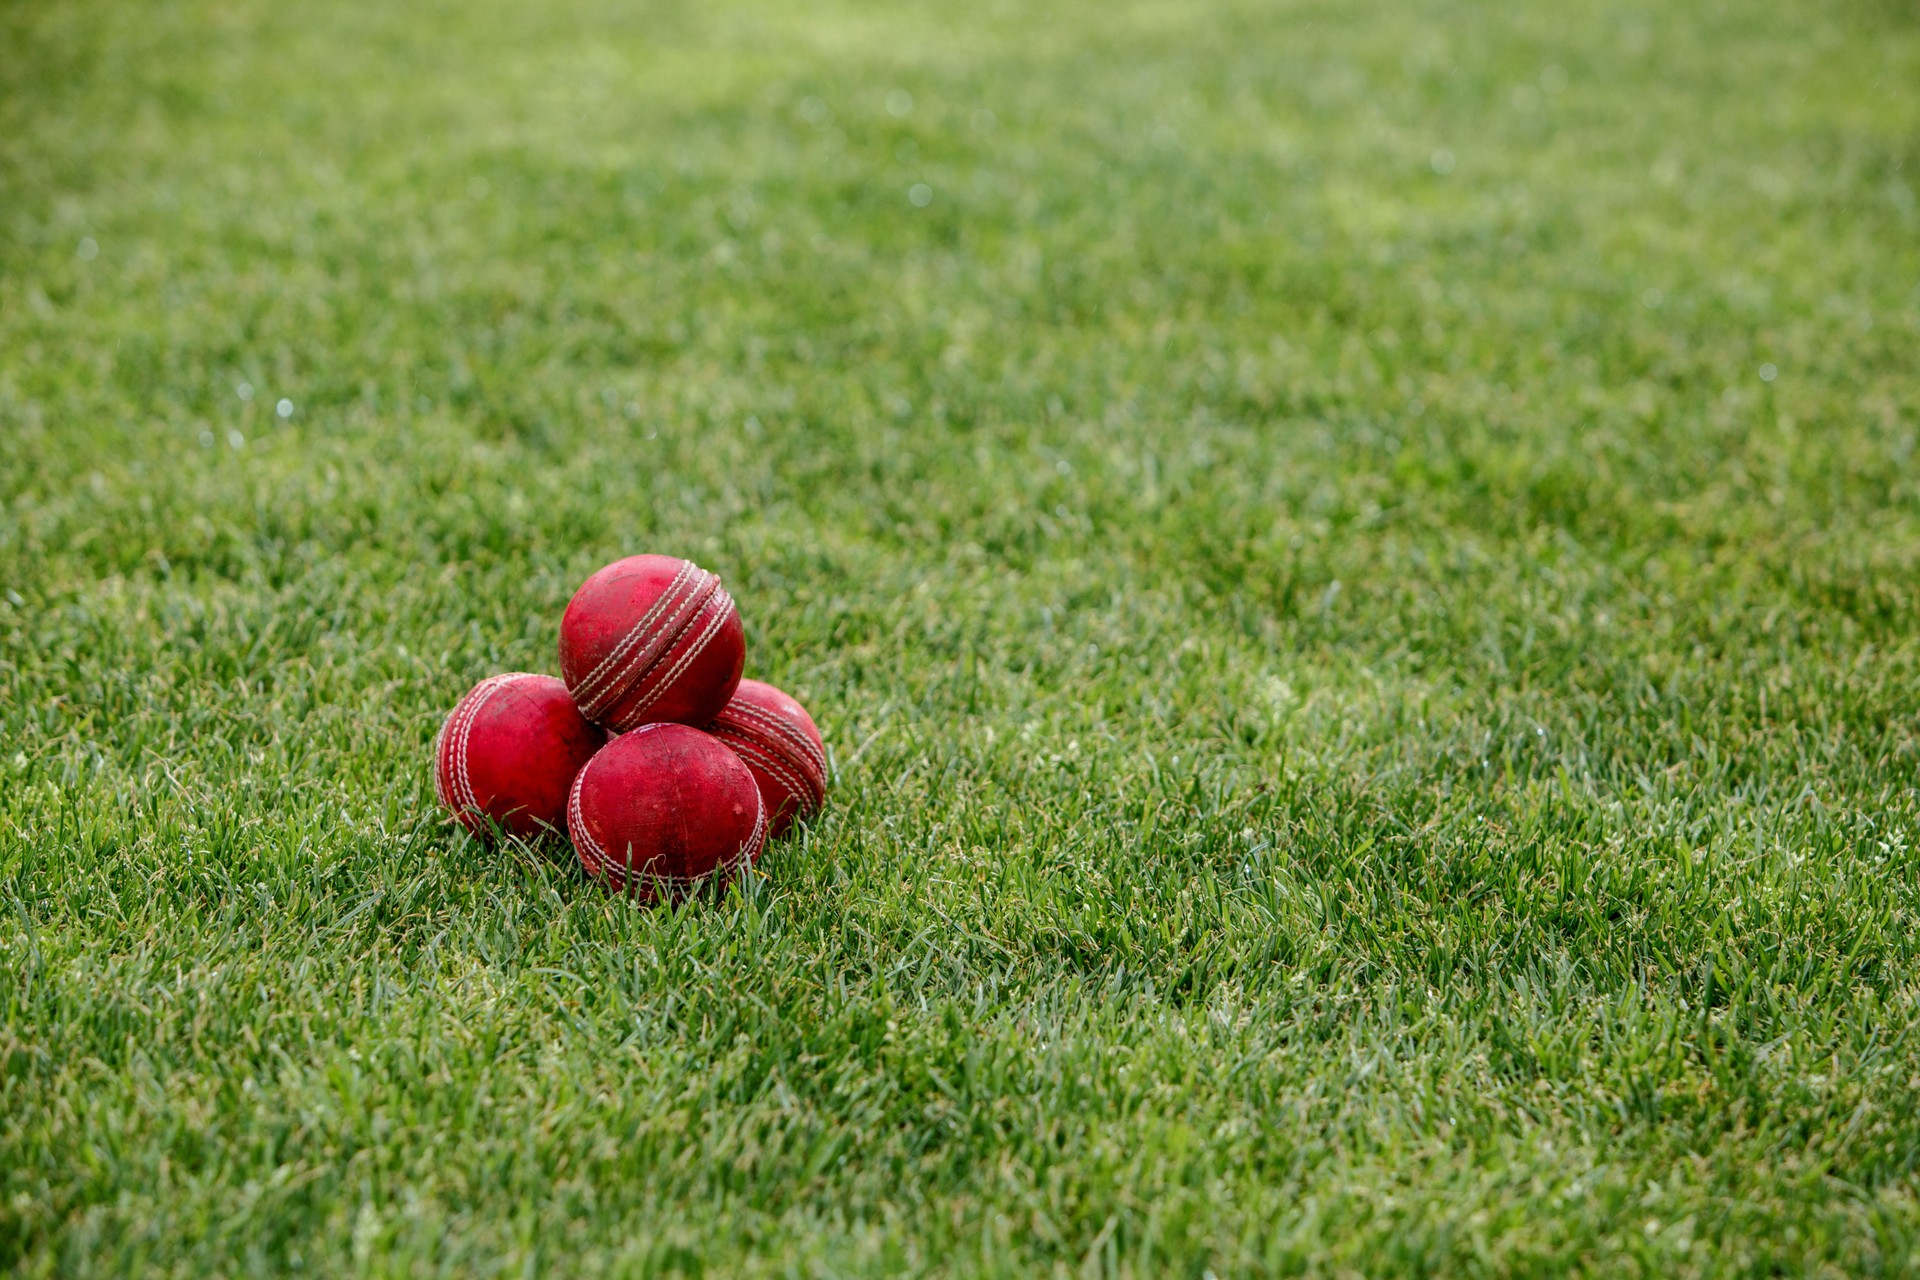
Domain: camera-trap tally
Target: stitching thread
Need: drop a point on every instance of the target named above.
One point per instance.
(640, 648)
(592, 857)
(457, 778)
(637, 632)
(481, 695)
(666, 636)
(644, 660)
(724, 603)
(741, 713)
(803, 790)
(459, 729)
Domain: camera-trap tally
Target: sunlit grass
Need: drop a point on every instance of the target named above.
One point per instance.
(1358, 564)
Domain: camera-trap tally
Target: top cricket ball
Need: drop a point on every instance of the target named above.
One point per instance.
(651, 639)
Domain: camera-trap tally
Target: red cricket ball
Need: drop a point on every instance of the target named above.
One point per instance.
(650, 639)
(509, 753)
(777, 739)
(665, 808)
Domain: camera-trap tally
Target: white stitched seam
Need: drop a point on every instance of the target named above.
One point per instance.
(804, 791)
(645, 660)
(724, 609)
(457, 769)
(605, 681)
(813, 783)
(456, 758)
(599, 865)
(636, 632)
(462, 715)
(757, 756)
(646, 680)
(670, 633)
(481, 696)
(641, 646)
(589, 850)
(449, 744)
(782, 728)
(466, 804)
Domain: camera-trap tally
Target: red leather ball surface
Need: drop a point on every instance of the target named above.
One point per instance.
(509, 752)
(781, 746)
(651, 639)
(664, 808)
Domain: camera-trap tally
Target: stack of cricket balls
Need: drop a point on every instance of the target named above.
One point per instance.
(666, 768)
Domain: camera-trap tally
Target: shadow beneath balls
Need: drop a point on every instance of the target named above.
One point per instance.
(666, 891)
(774, 872)
(551, 858)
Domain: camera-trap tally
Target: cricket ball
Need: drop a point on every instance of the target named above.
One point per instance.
(777, 739)
(664, 809)
(651, 639)
(508, 755)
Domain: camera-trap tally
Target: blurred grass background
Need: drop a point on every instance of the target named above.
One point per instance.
(1357, 561)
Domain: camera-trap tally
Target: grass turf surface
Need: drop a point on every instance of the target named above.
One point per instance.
(1358, 562)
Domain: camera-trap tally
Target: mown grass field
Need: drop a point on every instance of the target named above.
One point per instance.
(1359, 562)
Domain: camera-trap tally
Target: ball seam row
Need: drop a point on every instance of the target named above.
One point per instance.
(635, 634)
(592, 857)
(745, 715)
(459, 781)
(721, 604)
(646, 659)
(641, 648)
(804, 789)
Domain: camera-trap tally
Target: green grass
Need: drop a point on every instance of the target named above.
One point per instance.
(1370, 739)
